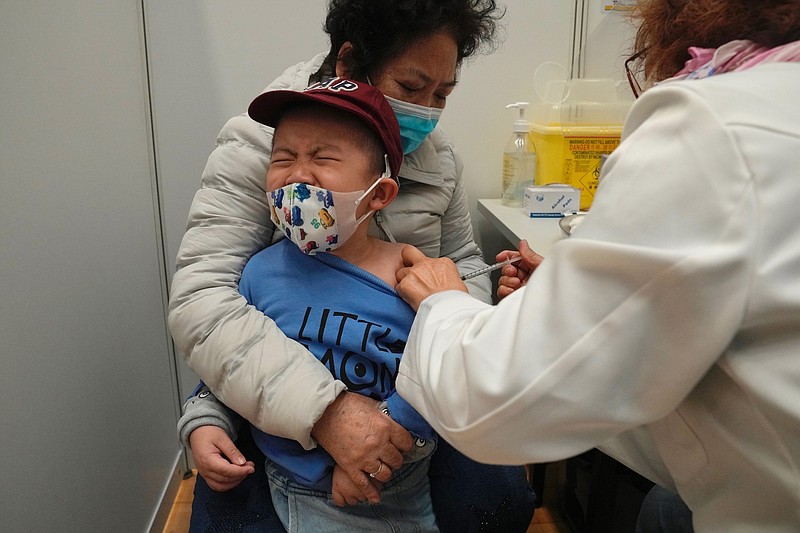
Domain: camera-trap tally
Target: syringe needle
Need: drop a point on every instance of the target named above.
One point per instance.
(490, 268)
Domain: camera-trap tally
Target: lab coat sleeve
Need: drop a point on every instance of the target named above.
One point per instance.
(620, 322)
(238, 352)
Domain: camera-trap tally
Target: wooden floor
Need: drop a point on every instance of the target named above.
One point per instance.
(546, 519)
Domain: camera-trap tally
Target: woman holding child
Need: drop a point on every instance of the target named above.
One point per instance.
(411, 51)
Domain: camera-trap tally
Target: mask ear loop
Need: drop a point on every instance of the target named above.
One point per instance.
(387, 173)
(378, 219)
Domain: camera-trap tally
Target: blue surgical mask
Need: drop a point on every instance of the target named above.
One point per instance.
(416, 122)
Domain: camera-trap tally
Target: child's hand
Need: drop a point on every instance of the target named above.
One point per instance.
(344, 491)
(217, 459)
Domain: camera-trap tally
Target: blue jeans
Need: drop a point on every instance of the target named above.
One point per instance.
(663, 511)
(468, 497)
(405, 505)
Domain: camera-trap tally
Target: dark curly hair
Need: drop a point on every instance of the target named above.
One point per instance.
(669, 27)
(380, 30)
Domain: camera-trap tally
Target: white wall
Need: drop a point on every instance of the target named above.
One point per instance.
(87, 388)
(607, 41)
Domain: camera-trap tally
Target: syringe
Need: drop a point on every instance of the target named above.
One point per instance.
(490, 268)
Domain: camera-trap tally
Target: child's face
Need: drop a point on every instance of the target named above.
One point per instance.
(315, 148)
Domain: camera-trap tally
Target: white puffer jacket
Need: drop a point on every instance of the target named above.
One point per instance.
(240, 354)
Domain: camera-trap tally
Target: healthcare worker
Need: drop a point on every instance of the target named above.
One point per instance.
(666, 329)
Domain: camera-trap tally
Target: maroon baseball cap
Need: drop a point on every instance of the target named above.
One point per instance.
(358, 98)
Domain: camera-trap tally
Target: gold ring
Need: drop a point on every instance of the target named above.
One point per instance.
(378, 471)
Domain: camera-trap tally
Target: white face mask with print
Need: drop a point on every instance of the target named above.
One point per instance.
(316, 219)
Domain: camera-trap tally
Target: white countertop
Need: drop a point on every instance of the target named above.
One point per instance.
(541, 233)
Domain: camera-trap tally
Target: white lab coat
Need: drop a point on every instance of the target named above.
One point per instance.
(666, 329)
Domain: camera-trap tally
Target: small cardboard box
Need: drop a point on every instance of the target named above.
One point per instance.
(554, 200)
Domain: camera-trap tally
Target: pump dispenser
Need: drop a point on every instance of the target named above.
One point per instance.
(519, 160)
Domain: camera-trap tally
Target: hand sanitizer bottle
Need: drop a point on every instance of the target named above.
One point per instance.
(519, 160)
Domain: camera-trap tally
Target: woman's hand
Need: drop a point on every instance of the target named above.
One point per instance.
(515, 276)
(217, 459)
(366, 443)
(423, 276)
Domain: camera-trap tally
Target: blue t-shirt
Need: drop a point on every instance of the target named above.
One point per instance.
(351, 320)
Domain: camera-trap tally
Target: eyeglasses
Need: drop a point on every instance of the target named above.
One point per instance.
(636, 89)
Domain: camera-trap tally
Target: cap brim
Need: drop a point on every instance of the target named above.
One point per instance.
(268, 107)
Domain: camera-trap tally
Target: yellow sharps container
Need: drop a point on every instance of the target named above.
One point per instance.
(571, 136)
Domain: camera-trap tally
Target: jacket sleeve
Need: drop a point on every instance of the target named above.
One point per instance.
(458, 239)
(238, 352)
(204, 409)
(612, 331)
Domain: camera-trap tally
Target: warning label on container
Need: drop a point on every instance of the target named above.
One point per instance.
(583, 166)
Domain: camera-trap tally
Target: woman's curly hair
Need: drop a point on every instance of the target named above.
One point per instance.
(669, 27)
(380, 30)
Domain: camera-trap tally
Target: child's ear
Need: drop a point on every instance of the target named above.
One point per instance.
(385, 191)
